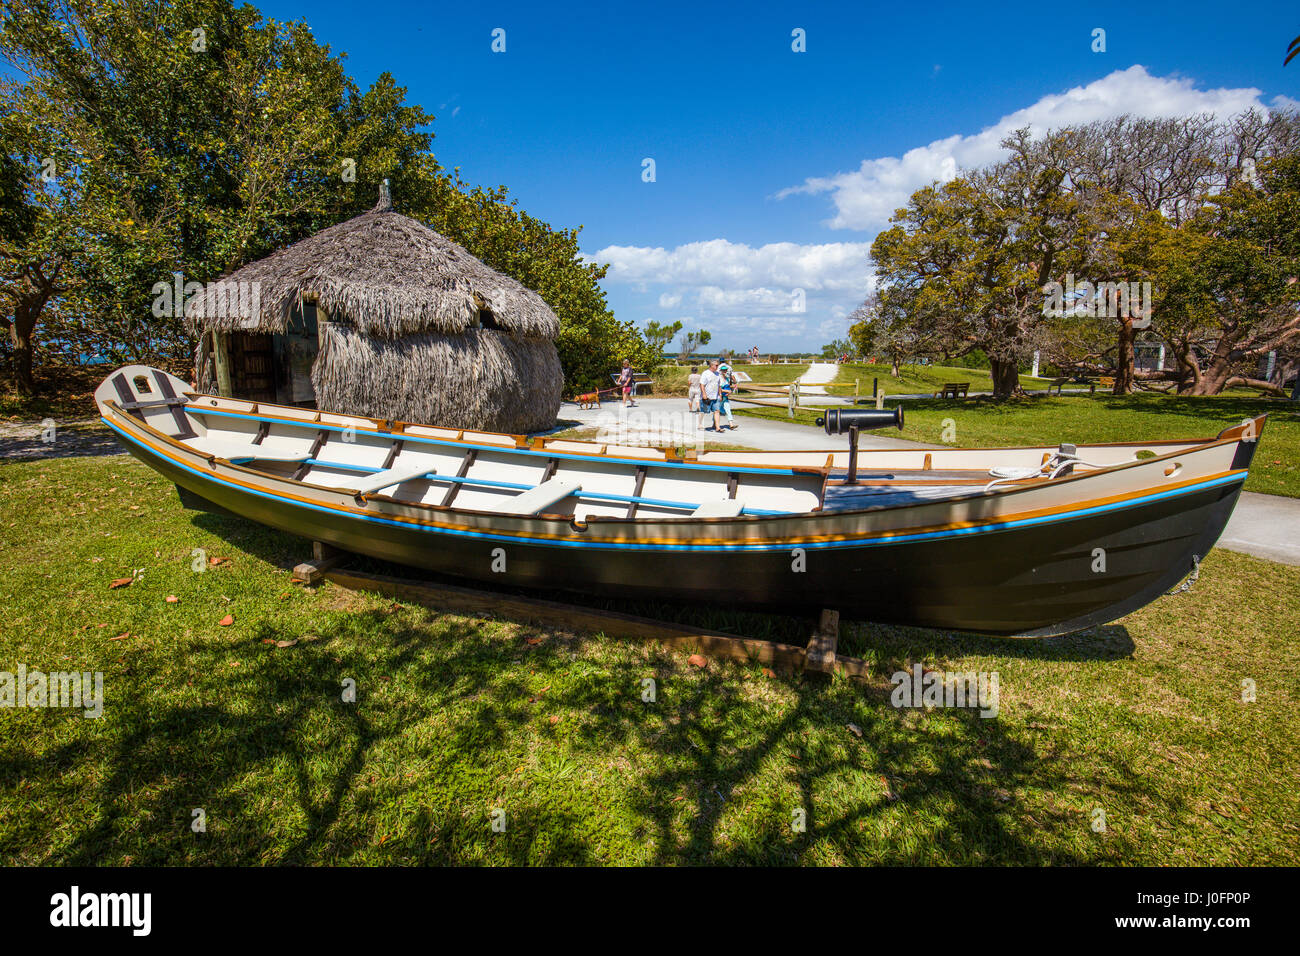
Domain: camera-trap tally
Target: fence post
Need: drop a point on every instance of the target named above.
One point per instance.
(793, 400)
(880, 400)
(855, 387)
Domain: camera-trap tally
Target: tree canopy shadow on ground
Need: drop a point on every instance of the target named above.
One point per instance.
(707, 741)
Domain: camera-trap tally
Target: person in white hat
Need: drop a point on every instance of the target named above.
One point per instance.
(725, 386)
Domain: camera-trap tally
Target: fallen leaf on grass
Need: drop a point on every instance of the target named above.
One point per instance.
(555, 719)
(854, 729)
(121, 583)
(533, 641)
(172, 599)
(217, 562)
(123, 635)
(286, 643)
(768, 672)
(533, 700)
(226, 621)
(698, 660)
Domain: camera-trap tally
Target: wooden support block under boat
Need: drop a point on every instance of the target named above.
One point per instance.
(613, 623)
(323, 558)
(821, 646)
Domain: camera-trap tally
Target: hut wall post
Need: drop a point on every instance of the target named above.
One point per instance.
(221, 358)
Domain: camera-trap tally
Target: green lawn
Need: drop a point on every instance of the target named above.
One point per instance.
(1104, 418)
(917, 379)
(460, 715)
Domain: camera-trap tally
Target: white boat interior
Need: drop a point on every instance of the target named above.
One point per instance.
(509, 474)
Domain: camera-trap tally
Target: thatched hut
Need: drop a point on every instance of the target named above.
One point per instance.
(382, 316)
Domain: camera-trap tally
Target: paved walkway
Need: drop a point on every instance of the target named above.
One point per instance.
(818, 376)
(1267, 526)
(669, 421)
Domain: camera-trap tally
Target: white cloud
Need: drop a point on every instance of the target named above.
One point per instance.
(781, 290)
(866, 197)
(831, 266)
(713, 300)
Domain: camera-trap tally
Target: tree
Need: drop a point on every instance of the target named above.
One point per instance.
(692, 342)
(658, 336)
(1130, 173)
(881, 326)
(34, 250)
(966, 262)
(1248, 255)
(833, 350)
(194, 136)
(187, 138)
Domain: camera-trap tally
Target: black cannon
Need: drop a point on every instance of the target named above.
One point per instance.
(840, 420)
(837, 421)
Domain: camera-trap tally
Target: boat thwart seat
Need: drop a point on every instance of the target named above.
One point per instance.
(726, 508)
(241, 452)
(534, 500)
(389, 477)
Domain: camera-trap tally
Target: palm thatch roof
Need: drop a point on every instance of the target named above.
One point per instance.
(383, 272)
(479, 379)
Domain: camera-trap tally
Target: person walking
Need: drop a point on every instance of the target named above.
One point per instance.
(693, 394)
(626, 382)
(726, 385)
(710, 387)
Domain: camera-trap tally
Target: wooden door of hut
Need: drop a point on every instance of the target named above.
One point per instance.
(252, 363)
(295, 354)
(273, 367)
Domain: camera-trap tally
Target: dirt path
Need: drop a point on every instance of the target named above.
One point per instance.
(50, 439)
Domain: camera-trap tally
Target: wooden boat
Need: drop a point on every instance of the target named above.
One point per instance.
(1025, 541)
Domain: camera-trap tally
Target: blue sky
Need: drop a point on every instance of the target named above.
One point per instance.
(775, 169)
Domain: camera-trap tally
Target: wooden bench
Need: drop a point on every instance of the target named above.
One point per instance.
(1056, 383)
(953, 390)
(638, 379)
(1106, 381)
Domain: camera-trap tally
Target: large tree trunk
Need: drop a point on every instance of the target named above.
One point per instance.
(1006, 378)
(35, 291)
(1124, 359)
(1214, 377)
(1262, 384)
(1187, 370)
(20, 335)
